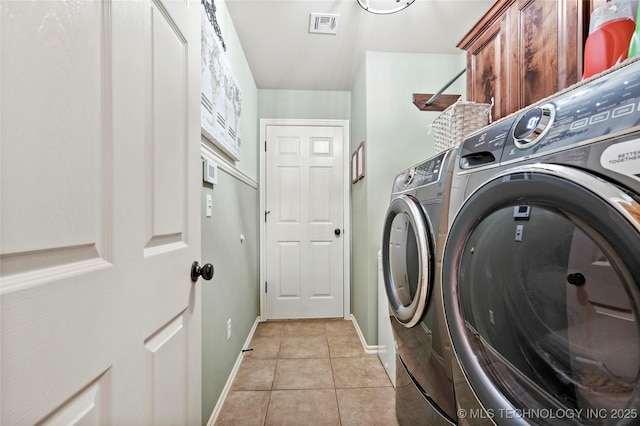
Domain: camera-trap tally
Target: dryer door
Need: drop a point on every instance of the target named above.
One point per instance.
(543, 306)
(407, 259)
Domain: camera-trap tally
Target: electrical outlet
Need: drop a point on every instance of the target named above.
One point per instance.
(229, 329)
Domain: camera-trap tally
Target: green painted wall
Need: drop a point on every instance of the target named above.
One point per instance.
(360, 290)
(234, 290)
(396, 135)
(304, 104)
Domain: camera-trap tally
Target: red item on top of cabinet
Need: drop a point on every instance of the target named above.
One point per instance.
(607, 46)
(610, 33)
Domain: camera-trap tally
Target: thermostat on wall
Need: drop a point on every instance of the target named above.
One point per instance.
(210, 171)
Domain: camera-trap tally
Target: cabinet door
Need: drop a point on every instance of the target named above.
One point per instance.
(523, 51)
(547, 55)
(487, 75)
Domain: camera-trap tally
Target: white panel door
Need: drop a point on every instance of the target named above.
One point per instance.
(305, 201)
(100, 212)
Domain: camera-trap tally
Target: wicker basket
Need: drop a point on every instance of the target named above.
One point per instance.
(457, 121)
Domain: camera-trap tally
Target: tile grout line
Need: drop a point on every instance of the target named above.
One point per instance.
(266, 413)
(333, 377)
(337, 332)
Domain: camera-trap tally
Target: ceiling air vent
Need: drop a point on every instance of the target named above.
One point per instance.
(323, 23)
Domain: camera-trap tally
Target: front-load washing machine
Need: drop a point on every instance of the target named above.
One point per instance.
(414, 232)
(542, 261)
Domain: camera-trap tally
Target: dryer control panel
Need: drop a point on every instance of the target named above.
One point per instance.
(425, 173)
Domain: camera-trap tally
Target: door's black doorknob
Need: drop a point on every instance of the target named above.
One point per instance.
(205, 271)
(337, 231)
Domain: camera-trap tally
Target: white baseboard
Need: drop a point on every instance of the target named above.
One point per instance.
(370, 349)
(232, 376)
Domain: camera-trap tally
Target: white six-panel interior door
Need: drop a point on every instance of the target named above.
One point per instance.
(305, 221)
(100, 172)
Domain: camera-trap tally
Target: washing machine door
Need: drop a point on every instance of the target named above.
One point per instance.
(407, 259)
(543, 306)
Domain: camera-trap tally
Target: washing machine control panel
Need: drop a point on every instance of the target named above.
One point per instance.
(603, 106)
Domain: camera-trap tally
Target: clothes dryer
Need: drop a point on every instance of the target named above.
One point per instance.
(414, 232)
(542, 261)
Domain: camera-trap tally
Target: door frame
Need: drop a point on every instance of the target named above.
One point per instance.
(346, 226)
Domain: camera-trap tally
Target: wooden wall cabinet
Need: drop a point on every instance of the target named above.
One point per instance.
(522, 51)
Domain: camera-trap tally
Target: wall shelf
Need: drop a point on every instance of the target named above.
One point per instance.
(441, 103)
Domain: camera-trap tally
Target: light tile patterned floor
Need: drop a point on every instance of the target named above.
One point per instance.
(309, 372)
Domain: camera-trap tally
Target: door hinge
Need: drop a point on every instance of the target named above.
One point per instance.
(266, 212)
(265, 146)
(265, 286)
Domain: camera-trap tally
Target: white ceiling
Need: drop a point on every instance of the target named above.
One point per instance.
(282, 54)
